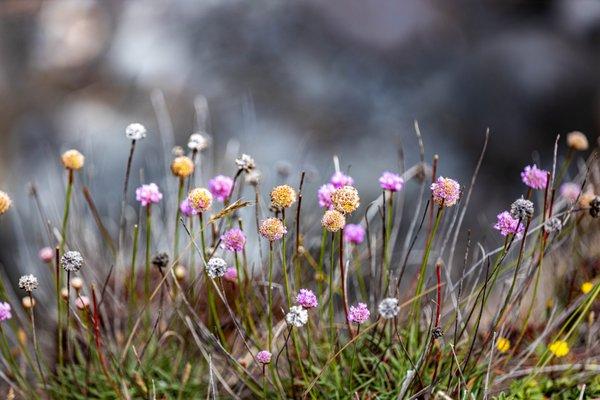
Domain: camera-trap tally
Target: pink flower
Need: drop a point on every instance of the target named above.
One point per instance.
(508, 225)
(231, 275)
(220, 186)
(46, 254)
(445, 191)
(359, 314)
(307, 299)
(148, 194)
(263, 357)
(570, 191)
(82, 302)
(390, 181)
(534, 177)
(186, 208)
(354, 233)
(5, 311)
(339, 180)
(233, 240)
(324, 195)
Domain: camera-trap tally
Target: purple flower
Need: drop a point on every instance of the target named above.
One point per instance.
(46, 254)
(508, 225)
(307, 299)
(445, 191)
(324, 195)
(148, 194)
(233, 240)
(354, 233)
(231, 275)
(339, 180)
(220, 186)
(534, 177)
(570, 191)
(390, 181)
(359, 314)
(5, 311)
(186, 208)
(263, 357)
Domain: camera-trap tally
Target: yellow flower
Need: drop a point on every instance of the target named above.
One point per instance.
(333, 220)
(559, 348)
(272, 229)
(73, 160)
(5, 202)
(200, 199)
(577, 141)
(283, 196)
(587, 287)
(182, 166)
(503, 344)
(345, 199)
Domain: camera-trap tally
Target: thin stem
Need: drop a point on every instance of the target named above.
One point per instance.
(65, 222)
(35, 341)
(177, 215)
(343, 284)
(270, 297)
(148, 251)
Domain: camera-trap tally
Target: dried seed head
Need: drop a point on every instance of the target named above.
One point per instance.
(437, 332)
(297, 316)
(333, 220)
(71, 261)
(216, 267)
(135, 131)
(73, 160)
(160, 260)
(28, 283)
(388, 308)
(553, 224)
(5, 202)
(283, 196)
(595, 207)
(198, 141)
(245, 163)
(182, 167)
(345, 199)
(445, 191)
(200, 199)
(577, 141)
(272, 229)
(253, 177)
(522, 209)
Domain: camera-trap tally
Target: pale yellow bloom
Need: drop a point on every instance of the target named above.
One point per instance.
(345, 199)
(73, 160)
(272, 229)
(333, 220)
(200, 199)
(283, 196)
(182, 166)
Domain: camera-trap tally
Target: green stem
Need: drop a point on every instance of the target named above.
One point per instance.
(177, 215)
(148, 252)
(270, 297)
(132, 281)
(284, 267)
(65, 222)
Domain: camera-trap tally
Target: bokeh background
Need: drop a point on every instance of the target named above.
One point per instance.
(292, 83)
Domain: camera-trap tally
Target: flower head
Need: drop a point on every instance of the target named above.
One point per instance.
(182, 167)
(522, 209)
(446, 191)
(534, 177)
(73, 160)
(324, 195)
(5, 202)
(233, 240)
(200, 199)
(231, 275)
(216, 267)
(186, 208)
(28, 302)
(339, 180)
(359, 313)
(586, 287)
(502, 344)
(508, 225)
(307, 299)
(283, 196)
(221, 186)
(297, 316)
(388, 308)
(82, 302)
(135, 131)
(333, 220)
(160, 260)
(5, 311)
(198, 142)
(577, 141)
(148, 194)
(272, 229)
(253, 177)
(354, 233)
(77, 283)
(28, 283)
(595, 207)
(46, 254)
(345, 199)
(559, 348)
(180, 272)
(570, 191)
(71, 261)
(553, 224)
(390, 181)
(263, 357)
(245, 163)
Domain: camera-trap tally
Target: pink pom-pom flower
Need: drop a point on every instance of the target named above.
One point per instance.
(354, 233)
(307, 299)
(5, 311)
(263, 357)
(324, 195)
(46, 254)
(359, 313)
(534, 177)
(233, 240)
(507, 225)
(231, 275)
(148, 194)
(339, 180)
(220, 186)
(390, 181)
(186, 208)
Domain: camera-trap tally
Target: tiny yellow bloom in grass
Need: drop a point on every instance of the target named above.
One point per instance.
(333, 220)
(182, 167)
(559, 348)
(283, 196)
(200, 199)
(272, 229)
(345, 199)
(586, 287)
(503, 344)
(73, 160)
(577, 141)
(5, 202)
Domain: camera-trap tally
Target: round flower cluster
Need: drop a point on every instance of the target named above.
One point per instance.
(160, 260)
(186, 208)
(200, 199)
(73, 160)
(283, 196)
(388, 308)
(391, 182)
(5, 202)
(135, 131)
(5, 313)
(354, 233)
(197, 142)
(586, 287)
(577, 141)
(245, 163)
(333, 220)
(221, 186)
(148, 194)
(263, 357)
(522, 209)
(307, 299)
(46, 254)
(272, 229)
(559, 348)
(359, 313)
(297, 316)
(233, 240)
(182, 167)
(553, 224)
(28, 283)
(507, 225)
(324, 195)
(345, 199)
(71, 261)
(446, 191)
(231, 275)
(216, 267)
(502, 344)
(534, 177)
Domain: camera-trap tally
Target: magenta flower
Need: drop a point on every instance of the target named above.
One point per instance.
(5, 311)
(445, 191)
(46, 254)
(354, 233)
(570, 191)
(339, 180)
(307, 299)
(534, 177)
(186, 208)
(233, 240)
(359, 314)
(390, 181)
(508, 225)
(220, 186)
(148, 194)
(324, 195)
(231, 275)
(263, 357)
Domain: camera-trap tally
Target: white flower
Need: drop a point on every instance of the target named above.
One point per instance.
(297, 316)
(198, 142)
(135, 131)
(216, 267)
(71, 261)
(388, 308)
(245, 162)
(28, 283)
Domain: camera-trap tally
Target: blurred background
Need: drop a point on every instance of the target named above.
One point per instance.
(292, 83)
